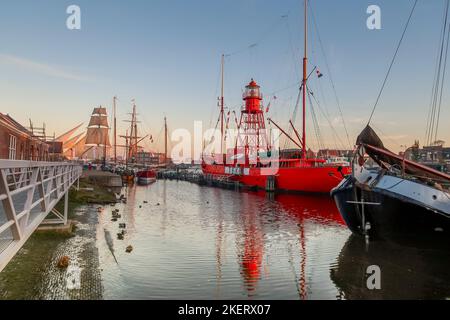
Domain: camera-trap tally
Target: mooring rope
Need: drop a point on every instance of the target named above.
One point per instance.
(392, 61)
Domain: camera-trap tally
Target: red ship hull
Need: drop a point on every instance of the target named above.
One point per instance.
(296, 179)
(146, 177)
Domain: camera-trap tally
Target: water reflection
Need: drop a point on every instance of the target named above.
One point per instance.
(250, 244)
(203, 243)
(407, 272)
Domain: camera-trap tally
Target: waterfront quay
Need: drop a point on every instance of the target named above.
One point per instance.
(191, 240)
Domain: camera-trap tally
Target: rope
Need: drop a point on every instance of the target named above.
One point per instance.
(315, 124)
(328, 120)
(392, 62)
(329, 75)
(439, 79)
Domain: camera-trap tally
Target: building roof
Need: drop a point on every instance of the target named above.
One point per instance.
(14, 125)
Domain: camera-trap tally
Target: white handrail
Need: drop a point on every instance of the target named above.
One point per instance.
(29, 191)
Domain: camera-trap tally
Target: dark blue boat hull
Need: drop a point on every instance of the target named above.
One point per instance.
(395, 218)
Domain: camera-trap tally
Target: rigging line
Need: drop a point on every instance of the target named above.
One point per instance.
(437, 80)
(294, 58)
(433, 88)
(327, 66)
(294, 114)
(387, 137)
(443, 74)
(215, 95)
(297, 84)
(159, 134)
(329, 122)
(392, 62)
(315, 124)
(261, 38)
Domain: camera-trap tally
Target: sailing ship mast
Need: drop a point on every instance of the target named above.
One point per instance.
(165, 140)
(115, 130)
(221, 105)
(305, 60)
(132, 140)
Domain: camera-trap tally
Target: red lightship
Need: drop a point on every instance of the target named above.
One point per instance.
(256, 163)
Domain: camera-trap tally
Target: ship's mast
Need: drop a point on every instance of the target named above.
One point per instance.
(115, 130)
(305, 59)
(135, 148)
(165, 140)
(221, 106)
(126, 148)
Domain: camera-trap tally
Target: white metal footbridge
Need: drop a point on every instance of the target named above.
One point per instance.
(29, 192)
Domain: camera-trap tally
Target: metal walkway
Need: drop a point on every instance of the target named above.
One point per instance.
(29, 191)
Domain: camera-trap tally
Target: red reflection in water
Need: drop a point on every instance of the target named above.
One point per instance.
(319, 209)
(250, 242)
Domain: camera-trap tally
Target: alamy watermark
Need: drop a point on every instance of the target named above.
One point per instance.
(242, 146)
(373, 22)
(73, 22)
(373, 281)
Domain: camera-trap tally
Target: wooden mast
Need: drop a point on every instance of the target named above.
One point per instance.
(165, 140)
(115, 130)
(135, 147)
(305, 60)
(221, 106)
(126, 148)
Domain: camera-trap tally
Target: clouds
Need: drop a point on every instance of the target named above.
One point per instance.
(40, 68)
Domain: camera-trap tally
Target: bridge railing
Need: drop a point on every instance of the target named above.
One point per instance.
(29, 191)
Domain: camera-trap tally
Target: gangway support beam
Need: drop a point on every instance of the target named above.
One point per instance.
(29, 191)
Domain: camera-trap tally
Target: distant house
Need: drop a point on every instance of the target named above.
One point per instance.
(18, 143)
(149, 158)
(436, 156)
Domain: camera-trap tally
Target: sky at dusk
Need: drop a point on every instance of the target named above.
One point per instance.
(166, 56)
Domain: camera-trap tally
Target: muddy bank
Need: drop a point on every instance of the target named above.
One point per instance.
(33, 272)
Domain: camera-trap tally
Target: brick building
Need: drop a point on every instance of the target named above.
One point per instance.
(18, 143)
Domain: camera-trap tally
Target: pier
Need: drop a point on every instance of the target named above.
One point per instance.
(29, 192)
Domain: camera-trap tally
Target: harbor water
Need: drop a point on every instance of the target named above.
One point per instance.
(197, 242)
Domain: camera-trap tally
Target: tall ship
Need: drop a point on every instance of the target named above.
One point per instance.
(133, 169)
(96, 142)
(256, 163)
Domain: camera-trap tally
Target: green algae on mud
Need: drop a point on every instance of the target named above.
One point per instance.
(92, 193)
(21, 277)
(24, 275)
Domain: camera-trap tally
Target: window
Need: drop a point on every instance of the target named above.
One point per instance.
(12, 147)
